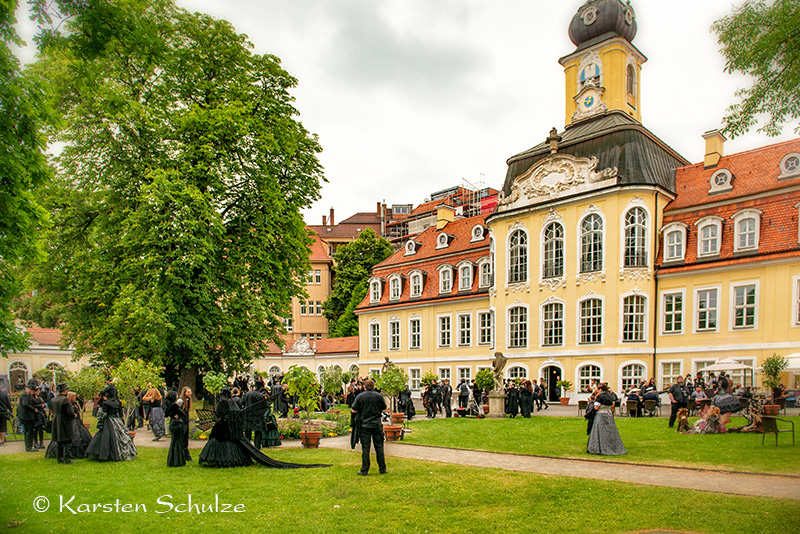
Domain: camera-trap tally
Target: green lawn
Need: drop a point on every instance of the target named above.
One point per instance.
(415, 496)
(648, 440)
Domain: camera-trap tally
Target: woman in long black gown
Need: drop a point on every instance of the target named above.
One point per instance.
(178, 429)
(227, 446)
(604, 436)
(112, 441)
(526, 399)
(81, 437)
(512, 394)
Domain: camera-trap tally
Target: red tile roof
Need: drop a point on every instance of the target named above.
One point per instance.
(334, 345)
(319, 249)
(754, 171)
(45, 336)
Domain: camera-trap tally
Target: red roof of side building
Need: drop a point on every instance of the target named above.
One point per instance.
(428, 259)
(45, 336)
(333, 345)
(755, 186)
(319, 249)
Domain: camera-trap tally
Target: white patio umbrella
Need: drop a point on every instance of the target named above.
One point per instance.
(728, 364)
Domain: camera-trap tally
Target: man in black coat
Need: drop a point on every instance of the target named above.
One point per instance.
(63, 414)
(368, 406)
(26, 411)
(5, 415)
(447, 397)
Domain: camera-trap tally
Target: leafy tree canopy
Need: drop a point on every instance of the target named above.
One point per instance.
(762, 39)
(352, 268)
(23, 169)
(177, 237)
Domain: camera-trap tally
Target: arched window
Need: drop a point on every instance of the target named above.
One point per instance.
(394, 288)
(320, 372)
(631, 79)
(416, 285)
(274, 370)
(517, 257)
(635, 238)
(375, 291)
(354, 368)
(465, 277)
(586, 374)
(592, 244)
(445, 280)
(518, 327)
(517, 372)
(553, 251)
(632, 376)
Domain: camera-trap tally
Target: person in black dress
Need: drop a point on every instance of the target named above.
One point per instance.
(80, 435)
(178, 429)
(512, 395)
(526, 399)
(111, 442)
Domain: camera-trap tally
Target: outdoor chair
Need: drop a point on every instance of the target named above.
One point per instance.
(770, 425)
(651, 406)
(632, 406)
(582, 404)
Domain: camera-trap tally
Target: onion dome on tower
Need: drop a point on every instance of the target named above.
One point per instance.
(598, 20)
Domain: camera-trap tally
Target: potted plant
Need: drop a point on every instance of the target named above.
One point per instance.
(565, 386)
(213, 383)
(773, 367)
(302, 383)
(332, 382)
(131, 374)
(390, 383)
(484, 380)
(87, 382)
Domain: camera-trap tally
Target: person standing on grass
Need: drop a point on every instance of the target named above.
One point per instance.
(63, 415)
(677, 399)
(6, 414)
(369, 405)
(463, 393)
(447, 397)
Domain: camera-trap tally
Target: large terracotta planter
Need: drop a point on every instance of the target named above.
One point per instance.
(564, 401)
(393, 432)
(397, 418)
(485, 409)
(310, 438)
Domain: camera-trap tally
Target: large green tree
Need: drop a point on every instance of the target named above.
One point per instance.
(352, 267)
(762, 39)
(177, 234)
(23, 169)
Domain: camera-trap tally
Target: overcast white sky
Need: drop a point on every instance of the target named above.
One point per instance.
(411, 96)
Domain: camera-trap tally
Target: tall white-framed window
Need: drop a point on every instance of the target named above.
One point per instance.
(375, 337)
(670, 371)
(795, 315)
(517, 257)
(672, 312)
(591, 252)
(553, 266)
(634, 315)
(445, 279)
(415, 333)
(674, 242)
(518, 371)
(709, 235)
(464, 329)
(485, 328)
(485, 270)
(635, 253)
(586, 373)
(632, 375)
(317, 276)
(746, 230)
(394, 335)
(288, 323)
(395, 287)
(706, 309)
(414, 378)
(744, 305)
(374, 291)
(445, 331)
(416, 284)
(318, 307)
(517, 327)
(444, 373)
(553, 324)
(465, 277)
(591, 321)
(465, 373)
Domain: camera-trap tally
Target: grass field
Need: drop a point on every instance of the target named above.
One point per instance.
(648, 440)
(414, 497)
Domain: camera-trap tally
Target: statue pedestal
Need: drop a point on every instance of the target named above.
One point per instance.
(497, 405)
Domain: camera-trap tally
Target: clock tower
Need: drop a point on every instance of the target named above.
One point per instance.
(604, 71)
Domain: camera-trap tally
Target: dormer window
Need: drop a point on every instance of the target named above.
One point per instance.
(746, 230)
(709, 235)
(477, 234)
(416, 284)
(411, 248)
(445, 279)
(674, 242)
(721, 182)
(485, 269)
(375, 290)
(790, 166)
(465, 276)
(443, 241)
(395, 287)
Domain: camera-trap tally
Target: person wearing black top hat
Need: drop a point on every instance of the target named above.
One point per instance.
(26, 411)
(63, 414)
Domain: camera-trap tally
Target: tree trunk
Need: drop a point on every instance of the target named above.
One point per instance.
(188, 378)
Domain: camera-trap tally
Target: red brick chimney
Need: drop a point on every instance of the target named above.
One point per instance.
(324, 221)
(331, 218)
